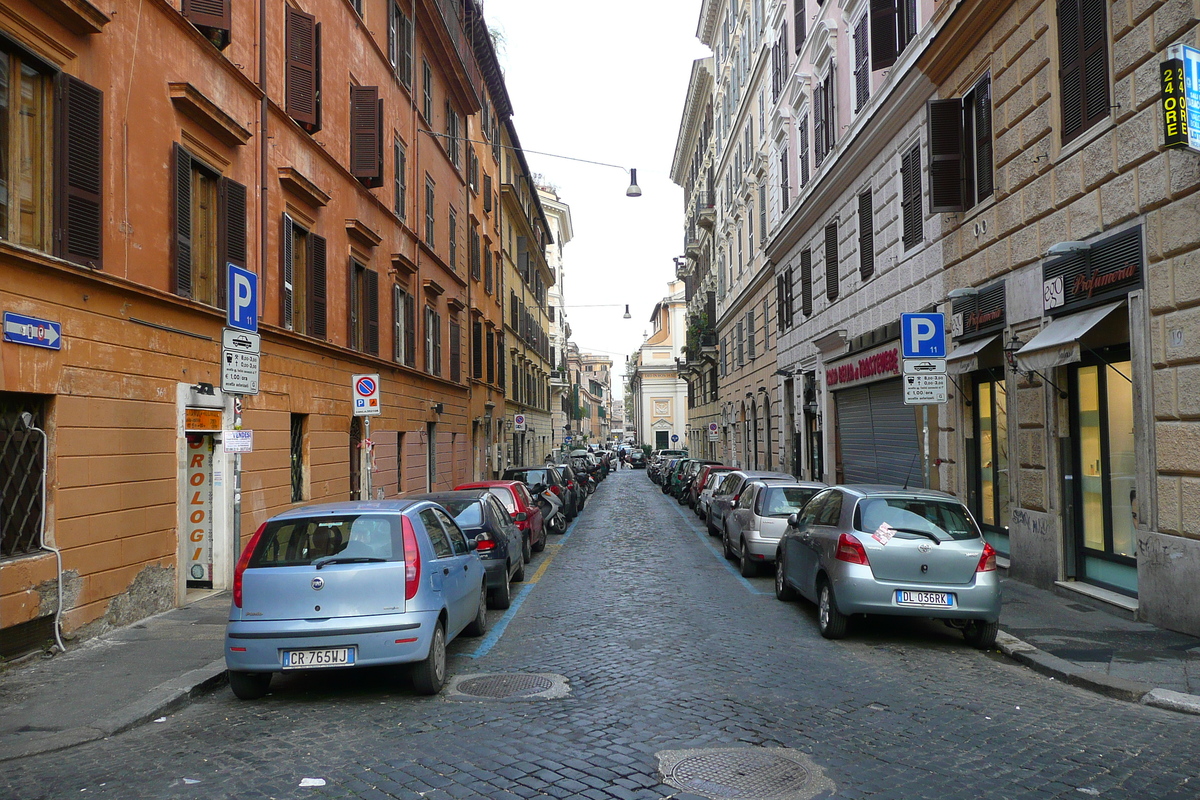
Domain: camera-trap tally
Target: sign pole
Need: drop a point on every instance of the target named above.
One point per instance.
(365, 460)
(237, 482)
(925, 442)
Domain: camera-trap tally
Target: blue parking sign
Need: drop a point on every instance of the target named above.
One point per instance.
(242, 298)
(923, 335)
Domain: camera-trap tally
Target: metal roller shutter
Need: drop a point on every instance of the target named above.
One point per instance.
(877, 436)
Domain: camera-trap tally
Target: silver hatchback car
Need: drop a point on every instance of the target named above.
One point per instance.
(353, 585)
(729, 490)
(757, 521)
(887, 550)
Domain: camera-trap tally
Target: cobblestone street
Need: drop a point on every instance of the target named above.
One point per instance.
(663, 648)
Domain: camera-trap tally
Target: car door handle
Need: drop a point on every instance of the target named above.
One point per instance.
(445, 570)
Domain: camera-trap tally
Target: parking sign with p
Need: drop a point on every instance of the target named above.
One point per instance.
(923, 335)
(243, 298)
(366, 395)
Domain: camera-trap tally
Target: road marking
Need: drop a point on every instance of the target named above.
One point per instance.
(494, 635)
(719, 553)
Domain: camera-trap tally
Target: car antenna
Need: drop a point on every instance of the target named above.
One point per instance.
(911, 464)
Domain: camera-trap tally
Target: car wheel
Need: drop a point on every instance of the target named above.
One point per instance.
(981, 634)
(708, 524)
(541, 543)
(783, 591)
(725, 545)
(429, 676)
(526, 549)
(558, 524)
(831, 621)
(249, 685)
(501, 595)
(747, 567)
(591, 487)
(478, 626)
(519, 575)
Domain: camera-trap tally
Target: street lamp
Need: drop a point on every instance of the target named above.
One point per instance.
(626, 315)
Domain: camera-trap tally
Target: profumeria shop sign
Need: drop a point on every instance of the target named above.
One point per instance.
(1107, 270)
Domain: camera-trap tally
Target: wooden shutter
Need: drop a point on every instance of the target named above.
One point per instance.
(862, 72)
(301, 48)
(397, 324)
(286, 291)
(393, 23)
(910, 202)
(366, 134)
(799, 23)
(455, 350)
(491, 358)
(750, 349)
(80, 172)
(1094, 36)
(866, 236)
(789, 286)
(437, 342)
(806, 287)
(216, 14)
(780, 319)
(883, 33)
(410, 330)
(831, 261)
(231, 232)
(803, 134)
(983, 140)
(945, 156)
(1070, 68)
(818, 123)
(828, 114)
(477, 350)
(317, 287)
(182, 165)
(371, 284)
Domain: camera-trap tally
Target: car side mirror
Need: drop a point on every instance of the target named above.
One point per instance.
(794, 520)
(521, 516)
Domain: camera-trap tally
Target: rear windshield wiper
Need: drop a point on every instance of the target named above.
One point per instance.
(320, 562)
(926, 534)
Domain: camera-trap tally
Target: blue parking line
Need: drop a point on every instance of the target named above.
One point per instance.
(718, 552)
(490, 640)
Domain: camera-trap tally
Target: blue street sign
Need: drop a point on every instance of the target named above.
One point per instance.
(674, 437)
(243, 298)
(32, 331)
(567, 439)
(923, 335)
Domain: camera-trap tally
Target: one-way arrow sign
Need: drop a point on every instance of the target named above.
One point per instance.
(32, 331)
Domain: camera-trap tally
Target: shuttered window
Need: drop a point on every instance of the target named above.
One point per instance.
(785, 191)
(781, 318)
(400, 44)
(210, 229)
(910, 197)
(893, 26)
(366, 135)
(741, 343)
(799, 23)
(400, 157)
(818, 124)
(487, 271)
(455, 349)
(946, 173)
(790, 296)
(866, 236)
(80, 175)
(452, 228)
(802, 134)
(404, 322)
(831, 261)
(751, 352)
(433, 341)
(427, 91)
(762, 213)
(491, 358)
(806, 287)
(212, 17)
(477, 350)
(1082, 65)
(862, 65)
(304, 291)
(429, 219)
(364, 308)
(303, 68)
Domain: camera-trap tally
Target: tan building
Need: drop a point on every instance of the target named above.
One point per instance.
(595, 383)
(333, 170)
(658, 393)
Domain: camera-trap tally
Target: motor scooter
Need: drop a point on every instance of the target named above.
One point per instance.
(552, 508)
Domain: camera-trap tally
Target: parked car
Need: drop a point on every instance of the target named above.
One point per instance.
(539, 479)
(672, 478)
(637, 459)
(498, 541)
(702, 479)
(683, 485)
(522, 509)
(886, 550)
(711, 481)
(577, 488)
(725, 495)
(757, 521)
(353, 585)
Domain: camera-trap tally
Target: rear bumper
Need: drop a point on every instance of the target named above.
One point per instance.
(858, 592)
(761, 548)
(495, 573)
(379, 639)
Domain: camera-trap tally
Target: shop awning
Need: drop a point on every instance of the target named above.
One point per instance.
(965, 357)
(1058, 343)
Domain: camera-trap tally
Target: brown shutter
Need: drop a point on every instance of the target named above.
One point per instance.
(866, 235)
(914, 224)
(216, 14)
(789, 285)
(1070, 68)
(806, 287)
(491, 358)
(80, 172)
(372, 290)
(477, 350)
(455, 350)
(983, 139)
(410, 330)
(231, 232)
(831, 261)
(287, 285)
(182, 167)
(392, 34)
(365, 134)
(353, 305)
(945, 156)
(1095, 62)
(317, 288)
(883, 33)
(302, 79)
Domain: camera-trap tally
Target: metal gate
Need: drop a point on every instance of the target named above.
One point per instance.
(878, 440)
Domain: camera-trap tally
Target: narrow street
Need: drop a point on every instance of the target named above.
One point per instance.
(663, 648)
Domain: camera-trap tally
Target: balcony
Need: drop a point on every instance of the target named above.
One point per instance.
(706, 208)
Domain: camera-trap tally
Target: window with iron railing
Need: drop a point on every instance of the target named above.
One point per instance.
(22, 457)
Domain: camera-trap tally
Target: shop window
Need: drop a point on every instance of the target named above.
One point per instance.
(364, 309)
(989, 496)
(299, 486)
(22, 477)
(210, 229)
(304, 280)
(302, 48)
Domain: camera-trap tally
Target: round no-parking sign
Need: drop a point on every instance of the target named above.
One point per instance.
(366, 395)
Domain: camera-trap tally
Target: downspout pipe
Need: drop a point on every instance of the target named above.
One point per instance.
(264, 109)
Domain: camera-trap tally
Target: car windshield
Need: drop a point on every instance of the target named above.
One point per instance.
(530, 476)
(945, 519)
(781, 501)
(299, 542)
(467, 511)
(505, 496)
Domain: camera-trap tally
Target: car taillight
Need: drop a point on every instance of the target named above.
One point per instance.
(851, 550)
(736, 496)
(244, 562)
(482, 542)
(412, 559)
(987, 561)
(570, 484)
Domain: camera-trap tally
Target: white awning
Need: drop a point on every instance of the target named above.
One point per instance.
(965, 357)
(1058, 343)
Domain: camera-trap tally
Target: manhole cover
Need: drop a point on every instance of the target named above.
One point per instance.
(508, 686)
(752, 772)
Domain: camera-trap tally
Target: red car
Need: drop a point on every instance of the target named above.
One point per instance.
(701, 479)
(527, 514)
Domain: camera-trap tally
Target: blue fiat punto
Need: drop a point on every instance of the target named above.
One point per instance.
(353, 585)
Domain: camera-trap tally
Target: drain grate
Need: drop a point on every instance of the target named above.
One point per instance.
(763, 773)
(508, 686)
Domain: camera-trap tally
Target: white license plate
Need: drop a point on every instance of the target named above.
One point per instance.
(310, 659)
(936, 599)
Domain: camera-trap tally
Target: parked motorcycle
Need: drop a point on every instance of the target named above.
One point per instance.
(552, 508)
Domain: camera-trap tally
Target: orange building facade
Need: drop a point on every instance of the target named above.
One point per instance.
(337, 151)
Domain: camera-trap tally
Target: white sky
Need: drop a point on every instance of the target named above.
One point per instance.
(605, 82)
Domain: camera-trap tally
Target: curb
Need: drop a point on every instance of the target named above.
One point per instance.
(1116, 688)
(159, 701)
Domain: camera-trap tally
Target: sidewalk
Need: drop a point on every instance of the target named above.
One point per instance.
(138, 674)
